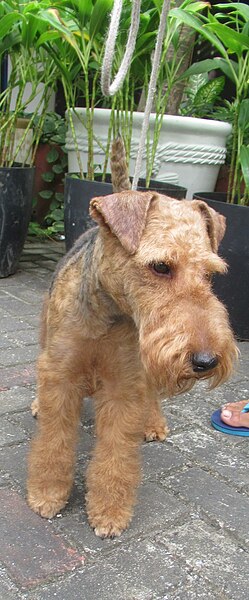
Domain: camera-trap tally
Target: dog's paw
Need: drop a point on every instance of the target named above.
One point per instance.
(45, 506)
(35, 407)
(157, 432)
(110, 531)
(109, 523)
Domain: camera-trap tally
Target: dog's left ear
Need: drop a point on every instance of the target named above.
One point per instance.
(215, 223)
(124, 214)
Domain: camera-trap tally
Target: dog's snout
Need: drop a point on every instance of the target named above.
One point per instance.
(204, 361)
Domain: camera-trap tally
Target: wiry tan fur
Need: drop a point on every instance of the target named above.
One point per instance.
(116, 330)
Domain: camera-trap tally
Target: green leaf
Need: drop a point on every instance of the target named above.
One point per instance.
(210, 64)
(209, 92)
(194, 22)
(59, 227)
(240, 8)
(233, 40)
(85, 10)
(57, 214)
(46, 194)
(244, 161)
(99, 16)
(48, 177)
(194, 7)
(52, 155)
(243, 118)
(59, 196)
(7, 21)
(57, 169)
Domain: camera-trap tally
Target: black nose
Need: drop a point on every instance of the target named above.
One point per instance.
(204, 361)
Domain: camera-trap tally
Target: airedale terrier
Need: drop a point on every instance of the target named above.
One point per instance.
(130, 316)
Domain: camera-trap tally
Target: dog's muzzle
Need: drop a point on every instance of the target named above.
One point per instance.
(203, 361)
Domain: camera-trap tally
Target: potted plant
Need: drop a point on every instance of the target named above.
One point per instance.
(227, 30)
(77, 37)
(175, 152)
(50, 168)
(30, 68)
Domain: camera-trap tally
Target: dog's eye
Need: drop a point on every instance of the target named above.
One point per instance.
(161, 268)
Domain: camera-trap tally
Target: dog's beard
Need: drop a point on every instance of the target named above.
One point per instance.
(169, 364)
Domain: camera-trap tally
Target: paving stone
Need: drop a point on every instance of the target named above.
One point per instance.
(207, 448)
(18, 375)
(30, 549)
(13, 460)
(85, 442)
(16, 355)
(197, 543)
(34, 321)
(8, 590)
(25, 420)
(221, 503)
(154, 509)
(17, 398)
(10, 433)
(13, 306)
(33, 297)
(46, 264)
(13, 323)
(147, 566)
(197, 589)
(158, 457)
(5, 342)
(22, 338)
(197, 406)
(133, 573)
(98, 582)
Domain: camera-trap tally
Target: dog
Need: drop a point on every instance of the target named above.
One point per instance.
(130, 316)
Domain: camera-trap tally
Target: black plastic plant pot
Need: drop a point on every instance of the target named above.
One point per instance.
(16, 188)
(77, 196)
(233, 288)
(162, 187)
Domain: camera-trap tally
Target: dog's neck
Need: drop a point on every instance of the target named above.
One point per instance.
(95, 301)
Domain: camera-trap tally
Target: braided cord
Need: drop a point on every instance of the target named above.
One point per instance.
(151, 90)
(108, 88)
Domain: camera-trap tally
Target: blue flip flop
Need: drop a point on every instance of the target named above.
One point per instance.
(221, 426)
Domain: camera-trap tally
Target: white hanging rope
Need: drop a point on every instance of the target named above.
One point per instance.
(108, 88)
(151, 91)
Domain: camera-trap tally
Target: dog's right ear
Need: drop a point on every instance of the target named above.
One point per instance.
(124, 214)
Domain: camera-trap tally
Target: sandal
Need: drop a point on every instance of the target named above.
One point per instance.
(221, 426)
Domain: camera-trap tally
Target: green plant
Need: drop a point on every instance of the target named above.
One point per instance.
(202, 96)
(75, 38)
(32, 75)
(228, 32)
(53, 142)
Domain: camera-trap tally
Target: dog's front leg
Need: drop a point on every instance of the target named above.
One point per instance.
(114, 472)
(52, 456)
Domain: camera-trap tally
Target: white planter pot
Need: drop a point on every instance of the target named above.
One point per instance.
(189, 153)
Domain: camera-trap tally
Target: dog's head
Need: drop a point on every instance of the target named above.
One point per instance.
(158, 259)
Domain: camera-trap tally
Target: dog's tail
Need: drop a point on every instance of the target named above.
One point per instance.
(119, 168)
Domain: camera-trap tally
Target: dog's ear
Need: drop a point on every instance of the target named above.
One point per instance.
(124, 214)
(215, 223)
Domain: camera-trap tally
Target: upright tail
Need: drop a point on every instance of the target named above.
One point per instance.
(119, 168)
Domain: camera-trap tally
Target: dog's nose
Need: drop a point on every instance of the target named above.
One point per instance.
(204, 361)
